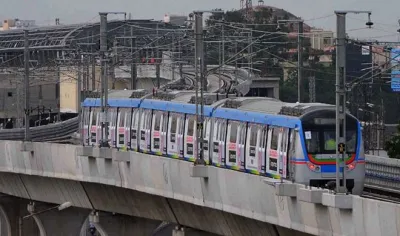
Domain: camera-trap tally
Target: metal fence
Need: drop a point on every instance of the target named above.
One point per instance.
(59, 132)
(382, 173)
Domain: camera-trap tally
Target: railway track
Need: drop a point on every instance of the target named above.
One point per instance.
(381, 193)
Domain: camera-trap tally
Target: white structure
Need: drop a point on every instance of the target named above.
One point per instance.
(321, 39)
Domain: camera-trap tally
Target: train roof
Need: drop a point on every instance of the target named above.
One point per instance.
(112, 102)
(256, 117)
(174, 107)
(273, 106)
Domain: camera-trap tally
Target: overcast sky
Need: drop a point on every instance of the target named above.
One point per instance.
(385, 13)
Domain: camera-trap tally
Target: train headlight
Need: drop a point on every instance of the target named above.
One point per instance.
(351, 166)
(314, 167)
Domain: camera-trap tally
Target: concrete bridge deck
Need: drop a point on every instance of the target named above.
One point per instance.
(226, 203)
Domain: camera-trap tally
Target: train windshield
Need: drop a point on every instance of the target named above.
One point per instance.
(320, 133)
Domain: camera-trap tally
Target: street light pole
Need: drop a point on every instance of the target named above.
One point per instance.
(60, 207)
(341, 96)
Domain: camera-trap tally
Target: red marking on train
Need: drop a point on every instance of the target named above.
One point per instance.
(333, 162)
(121, 129)
(232, 146)
(189, 139)
(93, 129)
(156, 134)
(298, 162)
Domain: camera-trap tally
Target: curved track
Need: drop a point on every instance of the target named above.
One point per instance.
(58, 132)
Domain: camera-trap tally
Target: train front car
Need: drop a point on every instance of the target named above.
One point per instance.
(318, 147)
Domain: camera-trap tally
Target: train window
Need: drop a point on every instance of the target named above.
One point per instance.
(351, 141)
(174, 121)
(264, 137)
(274, 139)
(312, 141)
(148, 122)
(329, 140)
(157, 121)
(190, 130)
(94, 118)
(233, 136)
(121, 122)
(242, 133)
(253, 136)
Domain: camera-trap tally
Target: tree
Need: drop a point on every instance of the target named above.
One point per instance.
(392, 146)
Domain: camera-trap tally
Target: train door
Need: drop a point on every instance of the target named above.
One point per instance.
(134, 129)
(283, 152)
(159, 127)
(123, 127)
(219, 139)
(206, 143)
(255, 148)
(95, 127)
(112, 113)
(175, 135)
(145, 130)
(274, 137)
(235, 145)
(85, 134)
(190, 144)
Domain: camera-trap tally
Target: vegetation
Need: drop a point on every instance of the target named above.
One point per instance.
(392, 146)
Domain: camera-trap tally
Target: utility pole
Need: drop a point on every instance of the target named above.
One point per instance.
(157, 60)
(134, 61)
(114, 62)
(300, 37)
(223, 48)
(341, 97)
(79, 84)
(340, 100)
(199, 62)
(104, 77)
(104, 80)
(26, 63)
(300, 62)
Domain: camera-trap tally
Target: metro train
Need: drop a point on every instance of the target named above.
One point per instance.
(260, 136)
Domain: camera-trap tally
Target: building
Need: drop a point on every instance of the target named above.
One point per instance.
(175, 19)
(10, 24)
(321, 39)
